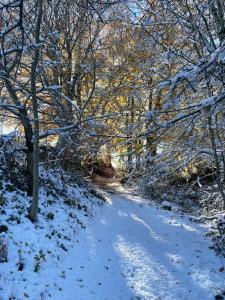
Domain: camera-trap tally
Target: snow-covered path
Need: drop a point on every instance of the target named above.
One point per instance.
(136, 251)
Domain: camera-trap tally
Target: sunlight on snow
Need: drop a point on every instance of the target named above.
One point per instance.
(142, 272)
(92, 246)
(108, 200)
(176, 260)
(133, 198)
(122, 214)
(202, 276)
(103, 221)
(175, 222)
(153, 233)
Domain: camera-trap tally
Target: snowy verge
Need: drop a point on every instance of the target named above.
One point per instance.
(36, 251)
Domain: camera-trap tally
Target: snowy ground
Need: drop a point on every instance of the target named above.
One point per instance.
(36, 252)
(131, 250)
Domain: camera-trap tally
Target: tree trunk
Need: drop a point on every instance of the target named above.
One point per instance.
(34, 205)
(29, 158)
(151, 144)
(130, 121)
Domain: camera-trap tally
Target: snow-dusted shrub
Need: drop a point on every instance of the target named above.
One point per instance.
(186, 178)
(217, 233)
(54, 181)
(12, 160)
(3, 249)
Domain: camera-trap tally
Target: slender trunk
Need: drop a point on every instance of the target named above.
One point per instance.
(151, 144)
(78, 91)
(130, 121)
(34, 205)
(29, 158)
(149, 139)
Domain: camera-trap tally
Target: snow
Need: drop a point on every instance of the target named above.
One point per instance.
(130, 250)
(53, 87)
(52, 237)
(208, 101)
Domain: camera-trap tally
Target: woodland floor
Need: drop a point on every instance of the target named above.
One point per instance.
(134, 250)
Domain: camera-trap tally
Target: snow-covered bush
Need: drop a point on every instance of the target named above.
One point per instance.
(190, 179)
(3, 249)
(217, 233)
(12, 161)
